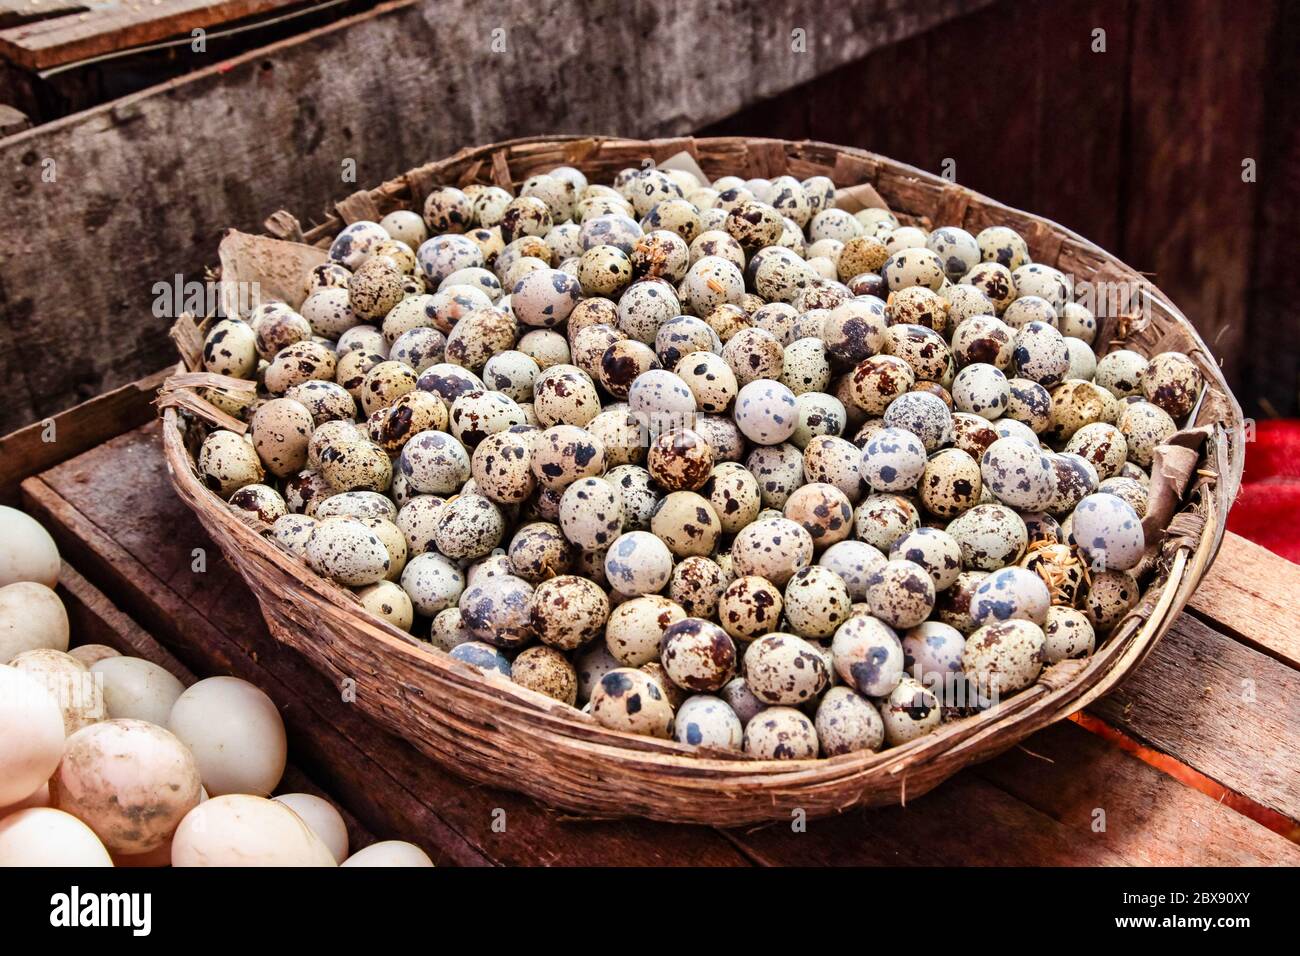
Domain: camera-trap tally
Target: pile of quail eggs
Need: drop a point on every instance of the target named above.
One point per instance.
(720, 463)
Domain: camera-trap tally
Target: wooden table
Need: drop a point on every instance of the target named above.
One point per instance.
(1194, 761)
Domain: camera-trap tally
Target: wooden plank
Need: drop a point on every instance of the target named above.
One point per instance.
(94, 619)
(1252, 593)
(1129, 807)
(1196, 112)
(211, 621)
(231, 143)
(44, 444)
(113, 26)
(1221, 708)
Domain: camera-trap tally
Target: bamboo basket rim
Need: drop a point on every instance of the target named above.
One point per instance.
(846, 780)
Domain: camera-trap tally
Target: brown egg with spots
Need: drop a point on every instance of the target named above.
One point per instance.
(393, 426)
(823, 511)
(547, 671)
(478, 336)
(375, 288)
(697, 584)
(785, 669)
(750, 607)
(281, 429)
(622, 362)
(636, 627)
(697, 655)
(680, 460)
(539, 551)
(687, 523)
(950, 484)
(875, 382)
(569, 611)
(816, 603)
(733, 492)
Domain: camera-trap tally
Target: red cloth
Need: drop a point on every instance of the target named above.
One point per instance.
(1267, 510)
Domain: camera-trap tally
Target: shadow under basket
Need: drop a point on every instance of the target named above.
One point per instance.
(487, 728)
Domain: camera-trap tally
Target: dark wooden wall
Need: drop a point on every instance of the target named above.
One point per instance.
(1139, 148)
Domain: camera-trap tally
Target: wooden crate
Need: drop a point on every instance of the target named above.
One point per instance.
(1192, 762)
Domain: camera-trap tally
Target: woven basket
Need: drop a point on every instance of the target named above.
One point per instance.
(491, 730)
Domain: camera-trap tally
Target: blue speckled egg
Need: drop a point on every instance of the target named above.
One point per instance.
(1109, 532)
(1010, 594)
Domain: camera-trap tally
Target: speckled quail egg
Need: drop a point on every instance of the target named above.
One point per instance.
(1111, 595)
(716, 242)
(1003, 657)
(994, 280)
(785, 669)
(539, 551)
(932, 656)
(990, 537)
(924, 350)
(447, 631)
(1030, 308)
(733, 492)
(882, 518)
(983, 339)
(433, 582)
(680, 460)
(861, 254)
(901, 593)
(697, 584)
(387, 601)
(868, 655)
(356, 242)
(917, 305)
(476, 415)
(631, 701)
(498, 610)
(1018, 474)
(779, 470)
(638, 563)
(1074, 478)
(603, 271)
(697, 655)
(591, 513)
(707, 721)
(754, 354)
(1041, 354)
(483, 656)
(853, 562)
(281, 429)
(1068, 634)
(327, 401)
(1002, 245)
(816, 603)
(1076, 403)
(304, 491)
(914, 266)
(846, 722)
(1129, 489)
(276, 326)
(385, 383)
(750, 606)
(687, 524)
(1108, 531)
(924, 415)
(1121, 372)
(636, 627)
(619, 431)
(956, 249)
(710, 380)
(231, 349)
(258, 504)
(418, 348)
(469, 526)
(564, 453)
(953, 604)
(772, 548)
(1101, 444)
(683, 336)
(478, 336)
(741, 699)
(1029, 403)
(754, 225)
(297, 363)
(645, 307)
(1172, 381)
(935, 550)
(710, 282)
(981, 390)
(781, 733)
(547, 671)
(292, 532)
(788, 197)
(622, 362)
(877, 381)
(502, 467)
(1013, 593)
(805, 366)
(823, 511)
(911, 711)
(418, 518)
(347, 551)
(661, 400)
(435, 463)
(568, 611)
(835, 461)
(1083, 361)
(1144, 426)
(511, 373)
(817, 414)
(544, 298)
(950, 483)
(228, 462)
(443, 255)
(638, 492)
(765, 412)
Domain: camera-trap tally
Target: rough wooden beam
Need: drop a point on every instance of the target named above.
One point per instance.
(143, 186)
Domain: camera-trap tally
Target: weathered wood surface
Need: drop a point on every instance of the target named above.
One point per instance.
(145, 185)
(107, 27)
(94, 619)
(116, 519)
(1251, 593)
(1138, 146)
(45, 443)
